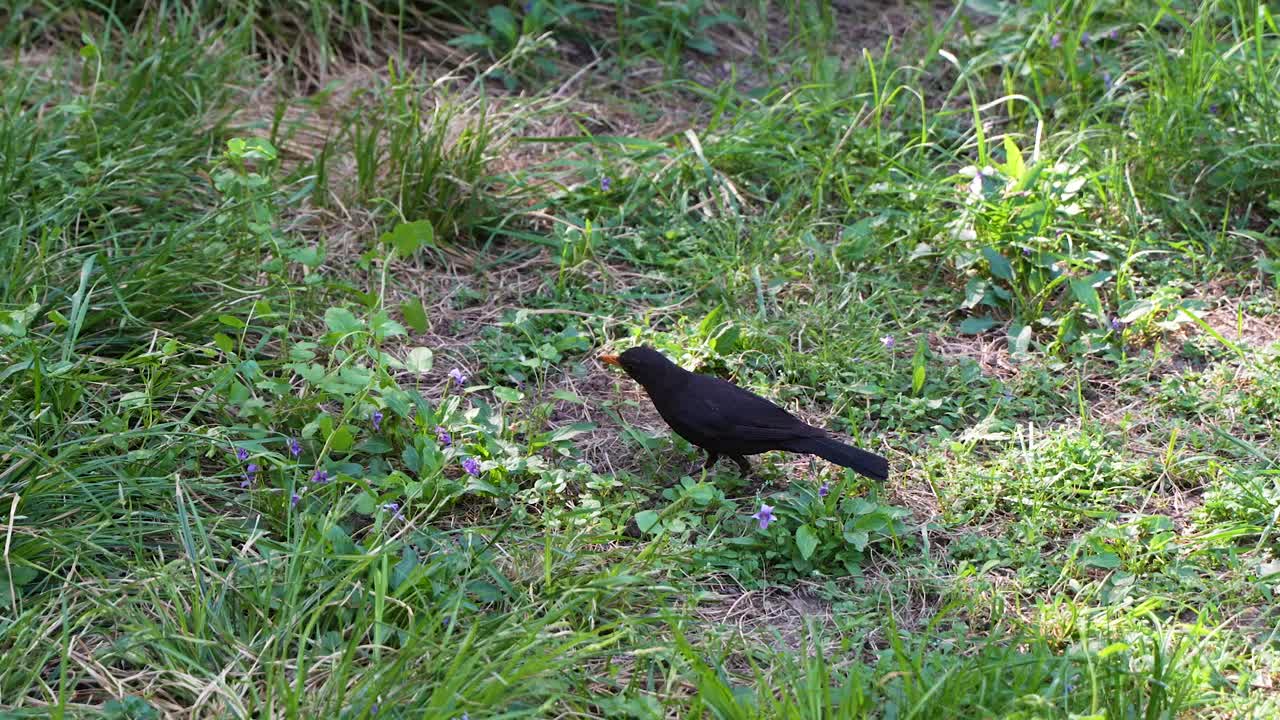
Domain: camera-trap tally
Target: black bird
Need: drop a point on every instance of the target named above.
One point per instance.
(724, 419)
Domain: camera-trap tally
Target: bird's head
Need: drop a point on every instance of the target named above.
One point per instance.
(645, 365)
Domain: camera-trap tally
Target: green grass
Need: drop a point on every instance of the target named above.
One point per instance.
(1038, 269)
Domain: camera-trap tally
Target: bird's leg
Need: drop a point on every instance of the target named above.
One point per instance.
(743, 465)
(712, 458)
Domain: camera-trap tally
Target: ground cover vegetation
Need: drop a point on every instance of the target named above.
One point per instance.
(301, 304)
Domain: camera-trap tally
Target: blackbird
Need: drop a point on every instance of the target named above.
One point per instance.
(724, 419)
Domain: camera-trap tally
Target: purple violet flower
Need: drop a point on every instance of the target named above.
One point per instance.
(1056, 41)
(765, 516)
(458, 376)
(242, 454)
(251, 471)
(471, 466)
(394, 509)
(1117, 324)
(320, 477)
(825, 490)
(293, 499)
(295, 447)
(1114, 34)
(443, 437)
(1106, 79)
(1084, 38)
(376, 420)
(888, 342)
(606, 183)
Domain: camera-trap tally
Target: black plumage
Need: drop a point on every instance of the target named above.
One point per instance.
(724, 419)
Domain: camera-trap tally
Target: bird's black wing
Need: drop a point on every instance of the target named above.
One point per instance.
(726, 409)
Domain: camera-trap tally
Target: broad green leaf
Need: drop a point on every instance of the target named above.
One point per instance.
(918, 367)
(420, 360)
(503, 22)
(23, 574)
(341, 439)
(414, 314)
(568, 396)
(401, 571)
(311, 372)
(726, 341)
(471, 41)
(806, 540)
(1086, 295)
(859, 539)
(310, 256)
(999, 264)
(365, 503)
(409, 237)
(646, 520)
(974, 291)
(14, 323)
(1019, 341)
(1139, 310)
(975, 325)
(384, 327)
(570, 431)
(710, 321)
(342, 321)
(702, 493)
(506, 394)
(1015, 167)
(1112, 649)
(224, 343)
(1106, 561)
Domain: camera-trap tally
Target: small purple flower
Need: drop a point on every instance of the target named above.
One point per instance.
(765, 516)
(1117, 324)
(825, 490)
(394, 509)
(1114, 34)
(1084, 38)
(1056, 41)
(251, 471)
(606, 183)
(293, 499)
(888, 342)
(320, 477)
(295, 447)
(1106, 79)
(242, 454)
(1213, 109)
(458, 376)
(471, 466)
(376, 420)
(443, 437)
(1026, 252)
(244, 483)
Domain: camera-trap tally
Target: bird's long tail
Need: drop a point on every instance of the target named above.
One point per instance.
(856, 459)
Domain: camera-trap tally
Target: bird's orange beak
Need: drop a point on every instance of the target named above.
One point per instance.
(610, 360)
